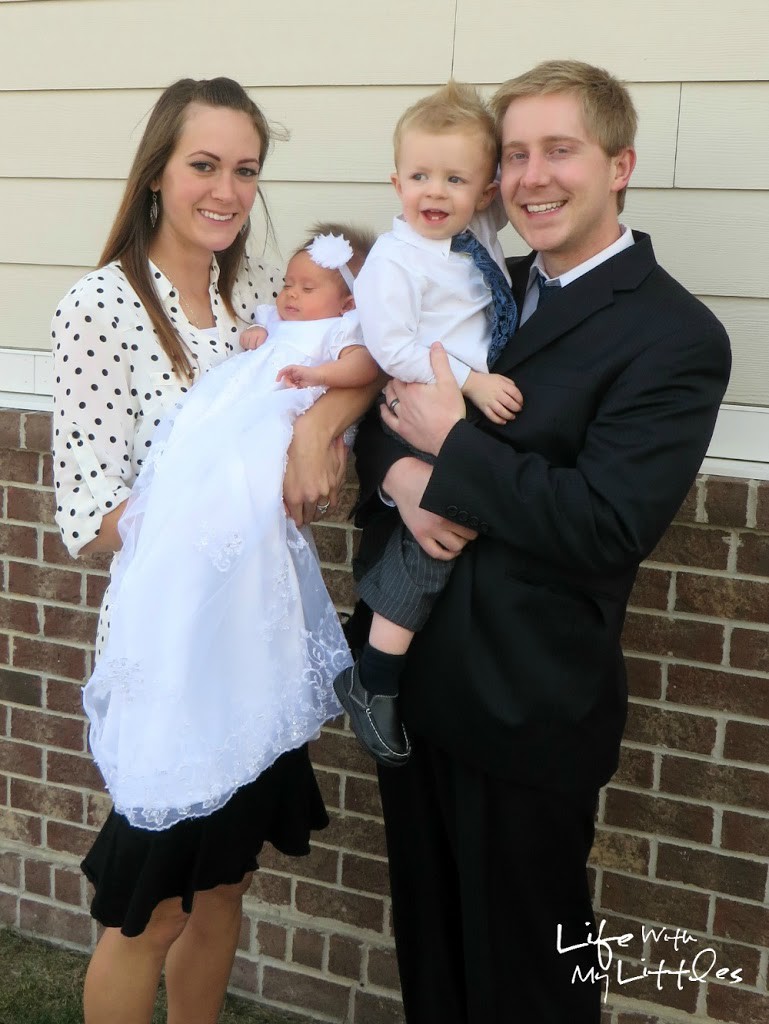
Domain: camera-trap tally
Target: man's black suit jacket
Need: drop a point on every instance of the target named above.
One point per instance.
(519, 670)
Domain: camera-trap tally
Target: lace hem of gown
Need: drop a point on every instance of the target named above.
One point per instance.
(210, 782)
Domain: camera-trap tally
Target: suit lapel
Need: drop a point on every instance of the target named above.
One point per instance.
(578, 301)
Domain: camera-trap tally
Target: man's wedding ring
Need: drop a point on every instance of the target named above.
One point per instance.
(323, 509)
(391, 405)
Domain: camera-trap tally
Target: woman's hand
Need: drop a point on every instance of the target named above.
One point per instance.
(314, 473)
(317, 457)
(440, 538)
(108, 538)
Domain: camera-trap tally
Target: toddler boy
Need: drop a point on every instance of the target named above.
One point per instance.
(439, 275)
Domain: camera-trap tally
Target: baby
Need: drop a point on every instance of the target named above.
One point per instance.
(318, 286)
(239, 641)
(439, 275)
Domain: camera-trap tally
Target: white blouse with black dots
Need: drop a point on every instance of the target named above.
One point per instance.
(114, 382)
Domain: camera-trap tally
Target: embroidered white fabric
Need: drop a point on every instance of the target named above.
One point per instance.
(223, 641)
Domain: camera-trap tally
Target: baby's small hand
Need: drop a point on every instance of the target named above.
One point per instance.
(296, 376)
(495, 395)
(253, 337)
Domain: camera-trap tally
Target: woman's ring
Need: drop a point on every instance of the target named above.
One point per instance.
(391, 405)
(323, 509)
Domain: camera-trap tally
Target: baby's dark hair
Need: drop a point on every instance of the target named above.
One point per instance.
(361, 240)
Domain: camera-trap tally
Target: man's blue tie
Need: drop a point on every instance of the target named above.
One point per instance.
(547, 289)
(502, 311)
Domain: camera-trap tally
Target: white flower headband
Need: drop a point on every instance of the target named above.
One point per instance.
(333, 252)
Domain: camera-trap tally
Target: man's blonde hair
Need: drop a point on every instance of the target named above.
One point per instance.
(455, 107)
(610, 117)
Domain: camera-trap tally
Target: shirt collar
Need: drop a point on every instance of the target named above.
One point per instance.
(624, 241)
(406, 233)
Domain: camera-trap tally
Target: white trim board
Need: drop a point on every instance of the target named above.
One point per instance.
(25, 403)
(742, 434)
(26, 372)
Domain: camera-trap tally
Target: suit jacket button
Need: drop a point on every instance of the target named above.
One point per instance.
(473, 522)
(462, 517)
(451, 511)
(483, 527)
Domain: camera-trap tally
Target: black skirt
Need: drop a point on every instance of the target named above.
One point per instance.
(133, 869)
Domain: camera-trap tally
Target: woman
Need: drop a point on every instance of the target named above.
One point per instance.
(172, 292)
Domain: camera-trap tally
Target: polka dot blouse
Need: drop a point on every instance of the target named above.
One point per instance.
(114, 382)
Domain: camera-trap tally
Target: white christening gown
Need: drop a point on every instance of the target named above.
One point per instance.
(223, 640)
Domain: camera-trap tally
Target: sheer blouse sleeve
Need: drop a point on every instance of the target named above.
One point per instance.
(94, 410)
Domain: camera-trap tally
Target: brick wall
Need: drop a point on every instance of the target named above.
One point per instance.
(683, 837)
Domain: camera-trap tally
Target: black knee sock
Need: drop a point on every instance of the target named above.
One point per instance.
(379, 672)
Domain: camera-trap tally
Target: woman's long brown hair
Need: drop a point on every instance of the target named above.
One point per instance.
(129, 239)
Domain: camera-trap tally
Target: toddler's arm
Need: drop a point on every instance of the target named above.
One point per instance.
(253, 337)
(496, 396)
(388, 299)
(354, 368)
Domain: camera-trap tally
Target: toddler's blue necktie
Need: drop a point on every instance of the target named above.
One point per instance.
(502, 311)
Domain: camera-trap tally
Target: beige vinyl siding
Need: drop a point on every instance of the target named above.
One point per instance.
(748, 321)
(78, 78)
(28, 297)
(342, 133)
(702, 237)
(724, 136)
(128, 44)
(638, 40)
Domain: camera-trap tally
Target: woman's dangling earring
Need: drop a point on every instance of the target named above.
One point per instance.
(154, 210)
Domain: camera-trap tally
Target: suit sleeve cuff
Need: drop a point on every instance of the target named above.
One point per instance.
(444, 492)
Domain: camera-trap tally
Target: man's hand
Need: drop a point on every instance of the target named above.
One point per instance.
(405, 483)
(423, 414)
(496, 396)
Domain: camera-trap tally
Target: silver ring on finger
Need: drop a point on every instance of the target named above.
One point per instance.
(392, 405)
(323, 508)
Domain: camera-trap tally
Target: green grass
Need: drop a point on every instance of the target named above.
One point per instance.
(43, 984)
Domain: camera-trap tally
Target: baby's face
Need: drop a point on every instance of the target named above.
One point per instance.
(311, 292)
(442, 180)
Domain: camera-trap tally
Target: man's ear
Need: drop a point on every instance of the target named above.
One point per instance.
(624, 164)
(487, 195)
(396, 183)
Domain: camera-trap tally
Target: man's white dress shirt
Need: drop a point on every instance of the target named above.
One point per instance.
(531, 300)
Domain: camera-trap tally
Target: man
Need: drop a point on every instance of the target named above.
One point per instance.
(514, 695)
